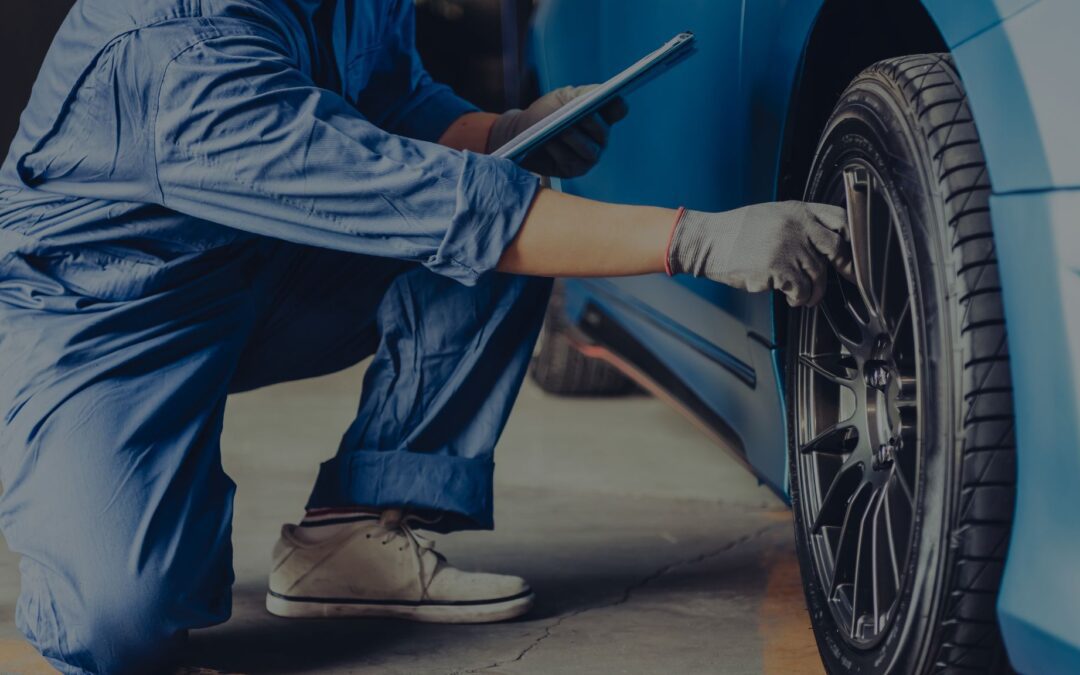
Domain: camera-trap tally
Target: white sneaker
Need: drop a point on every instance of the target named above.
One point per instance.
(378, 566)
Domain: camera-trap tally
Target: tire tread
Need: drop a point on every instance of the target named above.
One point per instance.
(968, 636)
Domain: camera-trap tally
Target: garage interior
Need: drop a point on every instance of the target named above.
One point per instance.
(672, 427)
(650, 550)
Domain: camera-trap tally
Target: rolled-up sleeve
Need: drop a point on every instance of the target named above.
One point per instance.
(244, 139)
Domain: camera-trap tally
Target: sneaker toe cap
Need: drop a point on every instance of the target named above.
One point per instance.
(453, 585)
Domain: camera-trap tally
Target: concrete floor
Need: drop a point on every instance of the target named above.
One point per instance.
(650, 551)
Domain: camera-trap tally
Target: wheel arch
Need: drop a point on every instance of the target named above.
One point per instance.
(846, 37)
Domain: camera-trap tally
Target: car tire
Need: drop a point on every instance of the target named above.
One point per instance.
(901, 428)
(558, 367)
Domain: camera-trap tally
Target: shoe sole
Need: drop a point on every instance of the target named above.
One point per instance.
(483, 611)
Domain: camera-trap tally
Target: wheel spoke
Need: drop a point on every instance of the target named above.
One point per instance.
(853, 299)
(833, 315)
(905, 489)
(836, 368)
(837, 498)
(876, 572)
(857, 191)
(848, 539)
(900, 320)
(890, 537)
(898, 516)
(859, 582)
(836, 438)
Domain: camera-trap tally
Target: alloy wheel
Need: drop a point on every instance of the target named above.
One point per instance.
(857, 415)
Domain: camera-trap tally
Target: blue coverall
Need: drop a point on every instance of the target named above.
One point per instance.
(207, 196)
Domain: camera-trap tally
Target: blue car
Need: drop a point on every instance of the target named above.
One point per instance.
(922, 421)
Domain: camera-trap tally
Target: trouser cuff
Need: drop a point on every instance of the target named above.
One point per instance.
(458, 489)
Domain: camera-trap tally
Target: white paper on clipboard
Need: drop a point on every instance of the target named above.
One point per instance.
(672, 52)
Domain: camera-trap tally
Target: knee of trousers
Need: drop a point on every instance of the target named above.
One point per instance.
(119, 627)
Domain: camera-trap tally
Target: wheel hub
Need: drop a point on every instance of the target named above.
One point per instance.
(881, 376)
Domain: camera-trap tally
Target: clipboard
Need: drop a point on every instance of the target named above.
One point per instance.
(673, 51)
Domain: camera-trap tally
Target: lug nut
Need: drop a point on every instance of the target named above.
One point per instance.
(885, 455)
(879, 378)
(878, 375)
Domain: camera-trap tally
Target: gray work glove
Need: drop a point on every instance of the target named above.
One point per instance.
(573, 152)
(785, 246)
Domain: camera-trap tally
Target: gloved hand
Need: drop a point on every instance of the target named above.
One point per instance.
(571, 153)
(784, 246)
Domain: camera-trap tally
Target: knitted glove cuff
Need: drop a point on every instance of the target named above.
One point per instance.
(700, 243)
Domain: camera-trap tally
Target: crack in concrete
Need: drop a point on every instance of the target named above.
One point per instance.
(628, 592)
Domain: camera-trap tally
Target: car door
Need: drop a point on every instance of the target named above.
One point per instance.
(681, 144)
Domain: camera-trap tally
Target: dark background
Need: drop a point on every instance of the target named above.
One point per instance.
(473, 45)
(26, 29)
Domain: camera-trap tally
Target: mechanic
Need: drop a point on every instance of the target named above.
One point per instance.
(206, 197)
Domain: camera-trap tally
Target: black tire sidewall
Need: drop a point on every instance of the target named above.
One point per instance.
(559, 368)
(873, 122)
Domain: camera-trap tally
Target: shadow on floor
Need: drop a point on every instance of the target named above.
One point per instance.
(257, 643)
(289, 646)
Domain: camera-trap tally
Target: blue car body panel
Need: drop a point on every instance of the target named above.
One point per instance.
(709, 135)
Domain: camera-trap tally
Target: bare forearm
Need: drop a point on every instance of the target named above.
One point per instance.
(469, 132)
(567, 236)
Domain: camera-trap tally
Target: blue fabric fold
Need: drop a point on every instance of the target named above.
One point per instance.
(211, 196)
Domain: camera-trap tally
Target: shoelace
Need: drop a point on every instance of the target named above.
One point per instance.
(399, 526)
